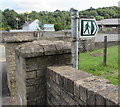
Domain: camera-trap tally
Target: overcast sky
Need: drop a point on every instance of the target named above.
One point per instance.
(52, 5)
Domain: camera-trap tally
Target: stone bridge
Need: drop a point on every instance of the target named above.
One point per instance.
(39, 73)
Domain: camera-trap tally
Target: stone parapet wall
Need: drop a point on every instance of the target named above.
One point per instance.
(27, 33)
(86, 44)
(68, 86)
(32, 61)
(100, 45)
(10, 45)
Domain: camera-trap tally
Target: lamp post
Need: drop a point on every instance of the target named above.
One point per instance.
(17, 22)
(27, 13)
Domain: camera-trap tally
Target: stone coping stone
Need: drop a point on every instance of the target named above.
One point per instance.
(13, 39)
(42, 48)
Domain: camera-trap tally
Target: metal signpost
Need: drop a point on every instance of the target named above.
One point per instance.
(75, 38)
(88, 27)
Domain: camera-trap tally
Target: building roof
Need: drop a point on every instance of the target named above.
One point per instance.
(48, 25)
(28, 23)
(113, 21)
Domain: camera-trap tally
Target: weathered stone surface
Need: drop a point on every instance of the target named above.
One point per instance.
(30, 50)
(79, 88)
(35, 81)
(33, 69)
(110, 94)
(40, 48)
(31, 74)
(14, 39)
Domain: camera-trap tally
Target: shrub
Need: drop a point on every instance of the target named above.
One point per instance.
(57, 26)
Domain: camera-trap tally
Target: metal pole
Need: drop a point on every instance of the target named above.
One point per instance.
(105, 51)
(75, 39)
(17, 24)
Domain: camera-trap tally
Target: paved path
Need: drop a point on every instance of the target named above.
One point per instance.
(5, 90)
(2, 53)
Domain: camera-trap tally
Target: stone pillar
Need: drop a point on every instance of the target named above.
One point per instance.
(87, 44)
(32, 61)
(11, 42)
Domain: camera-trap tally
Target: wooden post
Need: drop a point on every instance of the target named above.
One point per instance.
(105, 51)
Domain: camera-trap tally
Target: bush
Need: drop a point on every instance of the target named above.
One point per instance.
(107, 29)
(57, 26)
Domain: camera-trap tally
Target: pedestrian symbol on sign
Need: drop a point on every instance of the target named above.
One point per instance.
(87, 28)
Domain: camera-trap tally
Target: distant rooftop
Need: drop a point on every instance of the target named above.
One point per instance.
(28, 23)
(113, 21)
(48, 25)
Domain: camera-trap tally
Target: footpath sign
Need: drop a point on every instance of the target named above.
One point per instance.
(88, 27)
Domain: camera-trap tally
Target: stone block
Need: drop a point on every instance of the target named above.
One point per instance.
(70, 86)
(53, 100)
(49, 49)
(83, 94)
(41, 88)
(30, 89)
(30, 64)
(55, 94)
(31, 102)
(49, 102)
(76, 90)
(31, 74)
(67, 98)
(41, 72)
(110, 94)
(35, 81)
(55, 86)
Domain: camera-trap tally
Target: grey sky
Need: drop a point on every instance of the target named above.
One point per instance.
(52, 5)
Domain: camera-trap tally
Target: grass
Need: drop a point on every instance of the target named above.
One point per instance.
(93, 64)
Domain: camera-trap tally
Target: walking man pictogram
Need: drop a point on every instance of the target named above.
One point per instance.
(87, 28)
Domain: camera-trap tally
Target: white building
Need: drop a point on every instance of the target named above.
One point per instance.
(49, 27)
(31, 26)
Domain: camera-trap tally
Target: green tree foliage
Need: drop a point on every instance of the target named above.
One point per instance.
(99, 18)
(101, 13)
(58, 26)
(63, 17)
(11, 16)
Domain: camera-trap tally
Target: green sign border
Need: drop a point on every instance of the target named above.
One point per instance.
(81, 27)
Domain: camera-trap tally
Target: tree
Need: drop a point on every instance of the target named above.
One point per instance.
(62, 17)
(99, 18)
(57, 26)
(11, 16)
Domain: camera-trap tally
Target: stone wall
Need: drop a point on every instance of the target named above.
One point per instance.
(10, 45)
(68, 86)
(43, 80)
(38, 34)
(100, 45)
(32, 61)
(87, 44)
(27, 33)
(72, 88)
